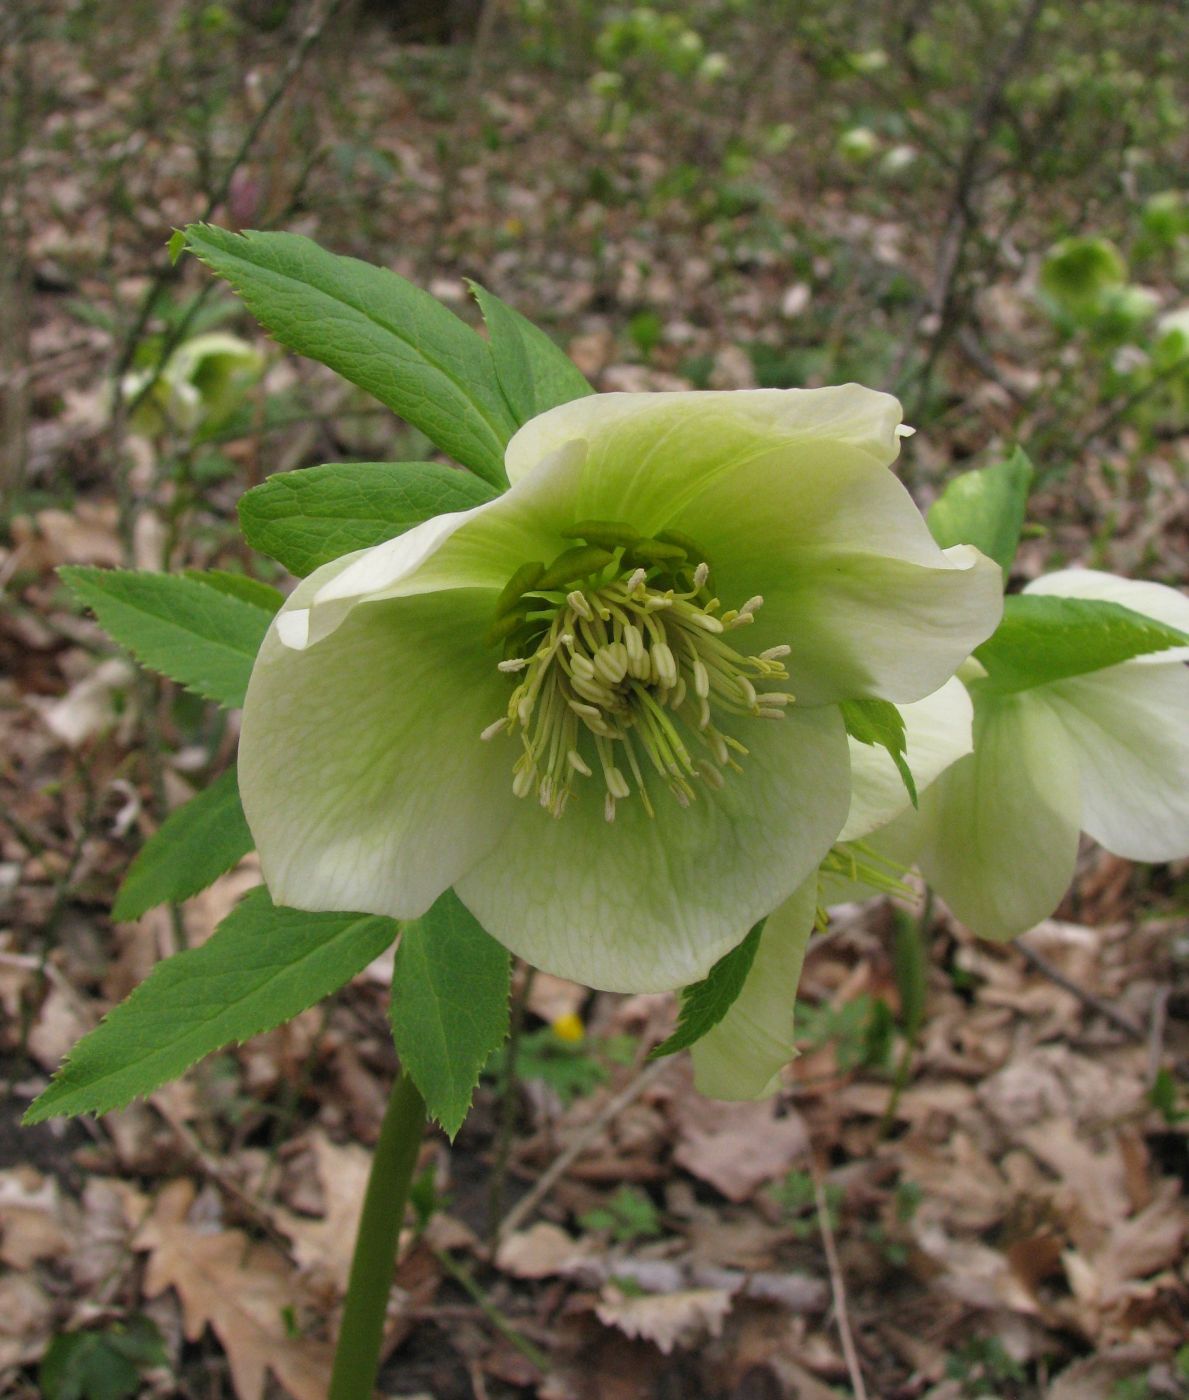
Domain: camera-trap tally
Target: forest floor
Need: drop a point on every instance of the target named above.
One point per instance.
(992, 1209)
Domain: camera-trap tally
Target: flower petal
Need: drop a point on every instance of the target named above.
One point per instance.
(650, 453)
(361, 771)
(1000, 827)
(870, 625)
(478, 548)
(1128, 725)
(1151, 599)
(741, 1057)
(647, 904)
(938, 732)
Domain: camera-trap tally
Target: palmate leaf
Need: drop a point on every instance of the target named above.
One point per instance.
(306, 518)
(262, 966)
(1045, 638)
(193, 847)
(449, 1006)
(705, 1004)
(376, 330)
(199, 635)
(533, 373)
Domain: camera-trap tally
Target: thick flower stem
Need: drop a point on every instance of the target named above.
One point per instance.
(358, 1352)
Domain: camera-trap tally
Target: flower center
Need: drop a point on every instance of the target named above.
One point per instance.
(622, 663)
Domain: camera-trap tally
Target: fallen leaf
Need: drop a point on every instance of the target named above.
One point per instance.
(541, 1251)
(325, 1245)
(736, 1147)
(246, 1293)
(668, 1319)
(33, 1221)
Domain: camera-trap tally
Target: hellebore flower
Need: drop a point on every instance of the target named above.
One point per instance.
(1106, 752)
(742, 1056)
(201, 382)
(543, 703)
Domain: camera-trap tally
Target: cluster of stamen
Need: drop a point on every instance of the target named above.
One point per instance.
(621, 662)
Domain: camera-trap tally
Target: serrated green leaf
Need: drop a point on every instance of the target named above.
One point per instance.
(262, 966)
(880, 722)
(193, 847)
(375, 329)
(306, 518)
(200, 637)
(705, 1003)
(1045, 638)
(985, 508)
(248, 590)
(533, 373)
(449, 1006)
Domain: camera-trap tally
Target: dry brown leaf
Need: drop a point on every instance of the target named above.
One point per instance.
(33, 1218)
(325, 1246)
(668, 1319)
(26, 1318)
(242, 1291)
(541, 1251)
(736, 1147)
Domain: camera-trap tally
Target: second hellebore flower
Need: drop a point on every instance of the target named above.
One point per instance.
(1105, 752)
(605, 706)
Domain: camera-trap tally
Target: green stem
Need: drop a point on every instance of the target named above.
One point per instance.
(357, 1355)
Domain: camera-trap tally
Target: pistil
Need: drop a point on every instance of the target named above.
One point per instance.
(622, 663)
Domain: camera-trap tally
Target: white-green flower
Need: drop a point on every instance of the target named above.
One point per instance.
(741, 1057)
(202, 381)
(605, 706)
(1105, 752)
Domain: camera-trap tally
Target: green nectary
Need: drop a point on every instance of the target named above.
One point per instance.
(622, 666)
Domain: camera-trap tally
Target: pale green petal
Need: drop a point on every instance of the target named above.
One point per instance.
(1000, 827)
(478, 548)
(363, 777)
(1130, 727)
(642, 904)
(1153, 600)
(868, 625)
(937, 733)
(649, 454)
(741, 1057)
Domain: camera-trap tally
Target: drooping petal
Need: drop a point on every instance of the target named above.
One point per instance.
(741, 1057)
(1000, 827)
(1129, 726)
(1153, 600)
(361, 771)
(648, 904)
(937, 732)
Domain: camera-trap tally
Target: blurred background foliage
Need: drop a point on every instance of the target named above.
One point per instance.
(980, 207)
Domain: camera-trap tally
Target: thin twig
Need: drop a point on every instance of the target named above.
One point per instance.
(838, 1290)
(1104, 1008)
(558, 1168)
(961, 214)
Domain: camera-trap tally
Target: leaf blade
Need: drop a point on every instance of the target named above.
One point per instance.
(1045, 637)
(376, 330)
(449, 1008)
(534, 374)
(985, 508)
(263, 965)
(201, 637)
(705, 1003)
(306, 518)
(193, 846)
